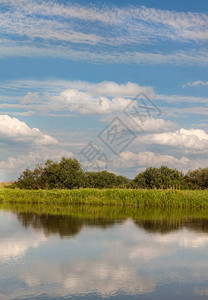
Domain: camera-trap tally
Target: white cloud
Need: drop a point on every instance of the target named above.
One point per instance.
(39, 27)
(14, 243)
(195, 57)
(79, 96)
(113, 89)
(30, 98)
(184, 239)
(197, 83)
(28, 160)
(107, 280)
(192, 139)
(148, 158)
(12, 167)
(149, 124)
(14, 248)
(181, 98)
(137, 20)
(96, 98)
(12, 129)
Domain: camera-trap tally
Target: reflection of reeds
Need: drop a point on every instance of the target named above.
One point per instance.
(68, 220)
(124, 197)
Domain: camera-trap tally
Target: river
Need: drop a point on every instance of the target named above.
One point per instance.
(97, 253)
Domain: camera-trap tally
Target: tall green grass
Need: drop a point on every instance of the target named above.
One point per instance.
(124, 197)
(5, 184)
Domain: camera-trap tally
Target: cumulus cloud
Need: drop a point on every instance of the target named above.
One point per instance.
(84, 103)
(14, 130)
(83, 97)
(13, 166)
(113, 89)
(148, 158)
(191, 139)
(97, 98)
(30, 159)
(149, 124)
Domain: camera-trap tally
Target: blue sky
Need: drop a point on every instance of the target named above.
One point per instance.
(67, 68)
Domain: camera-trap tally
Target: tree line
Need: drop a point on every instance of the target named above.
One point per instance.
(68, 174)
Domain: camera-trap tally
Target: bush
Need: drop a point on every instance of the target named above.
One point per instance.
(159, 178)
(197, 179)
(66, 174)
(105, 179)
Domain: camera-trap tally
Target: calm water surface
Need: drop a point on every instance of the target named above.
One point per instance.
(94, 254)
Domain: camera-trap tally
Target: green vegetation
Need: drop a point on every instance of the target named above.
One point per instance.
(68, 220)
(68, 174)
(6, 185)
(124, 197)
(160, 178)
(66, 183)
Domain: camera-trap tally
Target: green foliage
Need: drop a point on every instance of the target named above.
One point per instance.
(69, 220)
(197, 179)
(105, 179)
(66, 174)
(159, 178)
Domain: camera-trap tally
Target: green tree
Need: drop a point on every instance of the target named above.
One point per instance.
(197, 179)
(160, 178)
(102, 179)
(67, 173)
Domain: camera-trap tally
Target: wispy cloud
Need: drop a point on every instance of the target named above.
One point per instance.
(9, 48)
(33, 28)
(197, 83)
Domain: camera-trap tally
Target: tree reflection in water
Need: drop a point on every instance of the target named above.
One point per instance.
(68, 221)
(64, 226)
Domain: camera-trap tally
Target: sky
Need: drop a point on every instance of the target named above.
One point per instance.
(120, 85)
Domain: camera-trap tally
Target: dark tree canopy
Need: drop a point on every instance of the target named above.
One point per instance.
(159, 178)
(68, 174)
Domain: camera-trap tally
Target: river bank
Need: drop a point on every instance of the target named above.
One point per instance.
(124, 197)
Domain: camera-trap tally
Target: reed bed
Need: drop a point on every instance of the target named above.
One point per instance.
(6, 184)
(122, 197)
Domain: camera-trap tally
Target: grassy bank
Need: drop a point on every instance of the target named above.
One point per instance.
(6, 184)
(124, 197)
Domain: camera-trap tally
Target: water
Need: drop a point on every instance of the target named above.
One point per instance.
(94, 254)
